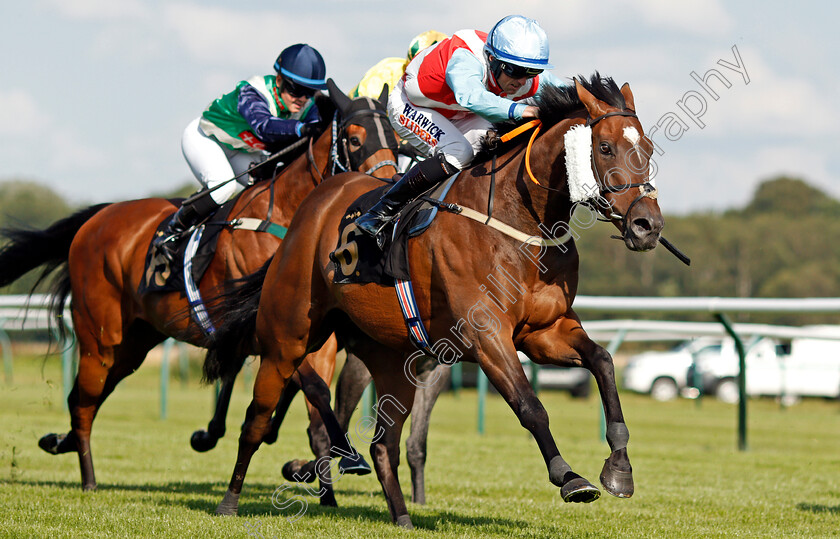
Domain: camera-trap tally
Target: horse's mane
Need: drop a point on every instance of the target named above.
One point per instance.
(557, 103)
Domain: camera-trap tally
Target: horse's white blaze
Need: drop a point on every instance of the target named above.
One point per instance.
(632, 136)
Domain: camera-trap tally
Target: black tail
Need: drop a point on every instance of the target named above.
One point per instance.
(28, 249)
(236, 315)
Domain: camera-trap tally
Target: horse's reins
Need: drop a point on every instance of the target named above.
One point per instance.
(646, 187)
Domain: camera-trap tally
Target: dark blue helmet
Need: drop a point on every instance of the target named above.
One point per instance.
(302, 65)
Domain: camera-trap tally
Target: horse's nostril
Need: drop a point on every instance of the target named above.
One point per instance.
(642, 225)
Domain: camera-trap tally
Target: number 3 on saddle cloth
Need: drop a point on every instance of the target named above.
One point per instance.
(358, 259)
(194, 253)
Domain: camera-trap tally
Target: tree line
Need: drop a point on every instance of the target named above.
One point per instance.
(782, 243)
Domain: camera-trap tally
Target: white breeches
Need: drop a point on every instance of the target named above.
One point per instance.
(213, 164)
(458, 138)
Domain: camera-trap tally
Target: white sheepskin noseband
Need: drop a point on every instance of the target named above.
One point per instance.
(582, 183)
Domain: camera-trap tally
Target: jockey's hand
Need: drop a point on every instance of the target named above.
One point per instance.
(307, 129)
(531, 112)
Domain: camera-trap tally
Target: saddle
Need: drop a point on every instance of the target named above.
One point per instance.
(359, 260)
(161, 275)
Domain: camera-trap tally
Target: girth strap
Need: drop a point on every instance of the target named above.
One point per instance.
(258, 225)
(504, 228)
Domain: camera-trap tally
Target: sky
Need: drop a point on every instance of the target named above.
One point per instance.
(94, 94)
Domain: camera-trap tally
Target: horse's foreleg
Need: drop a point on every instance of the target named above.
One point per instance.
(505, 372)
(268, 387)
(432, 380)
(205, 440)
(567, 343)
(617, 474)
(286, 399)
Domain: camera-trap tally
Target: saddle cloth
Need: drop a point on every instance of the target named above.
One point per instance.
(163, 276)
(357, 258)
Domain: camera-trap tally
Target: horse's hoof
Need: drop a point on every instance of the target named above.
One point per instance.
(229, 505)
(89, 487)
(579, 490)
(202, 441)
(55, 444)
(404, 521)
(299, 471)
(328, 500)
(354, 465)
(617, 482)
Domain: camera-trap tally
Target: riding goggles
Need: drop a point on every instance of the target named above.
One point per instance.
(296, 90)
(518, 72)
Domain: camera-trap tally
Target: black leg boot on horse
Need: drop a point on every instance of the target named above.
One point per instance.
(419, 179)
(192, 211)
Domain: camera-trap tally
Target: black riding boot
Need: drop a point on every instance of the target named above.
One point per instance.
(419, 179)
(193, 210)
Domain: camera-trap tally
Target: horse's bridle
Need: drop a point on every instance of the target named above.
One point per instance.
(380, 118)
(646, 187)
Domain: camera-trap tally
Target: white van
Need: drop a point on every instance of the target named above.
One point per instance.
(664, 375)
(810, 369)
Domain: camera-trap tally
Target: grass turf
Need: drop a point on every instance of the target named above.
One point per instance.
(690, 479)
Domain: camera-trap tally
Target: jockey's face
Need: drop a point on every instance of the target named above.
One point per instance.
(294, 96)
(510, 85)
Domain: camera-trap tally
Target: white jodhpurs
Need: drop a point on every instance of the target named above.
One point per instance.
(457, 138)
(213, 164)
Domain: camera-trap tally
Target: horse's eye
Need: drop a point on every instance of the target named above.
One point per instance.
(355, 142)
(605, 148)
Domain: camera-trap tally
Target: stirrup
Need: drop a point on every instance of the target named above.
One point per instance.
(379, 233)
(382, 223)
(165, 246)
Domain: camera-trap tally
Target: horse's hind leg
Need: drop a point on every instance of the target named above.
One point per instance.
(272, 377)
(433, 378)
(101, 368)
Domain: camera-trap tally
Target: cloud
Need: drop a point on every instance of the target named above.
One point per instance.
(99, 10)
(698, 17)
(20, 115)
(241, 37)
(693, 179)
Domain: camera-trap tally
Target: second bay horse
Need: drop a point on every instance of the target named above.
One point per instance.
(99, 257)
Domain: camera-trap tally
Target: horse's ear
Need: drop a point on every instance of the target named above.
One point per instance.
(628, 97)
(383, 97)
(593, 105)
(338, 97)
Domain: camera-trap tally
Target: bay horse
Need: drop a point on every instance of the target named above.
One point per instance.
(99, 253)
(483, 292)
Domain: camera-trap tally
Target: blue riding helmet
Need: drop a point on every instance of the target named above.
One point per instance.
(302, 65)
(518, 41)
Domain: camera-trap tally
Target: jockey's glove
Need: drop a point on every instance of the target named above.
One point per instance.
(307, 129)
